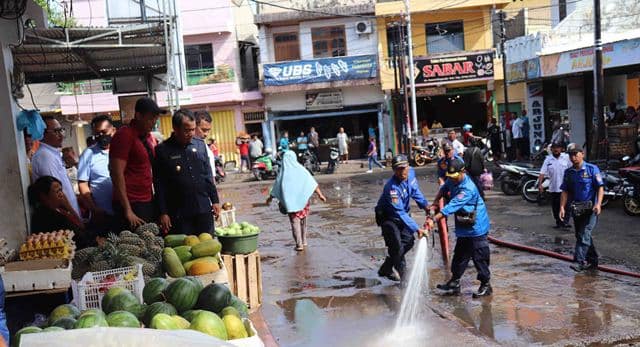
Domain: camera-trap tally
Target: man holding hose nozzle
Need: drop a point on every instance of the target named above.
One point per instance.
(472, 227)
(392, 215)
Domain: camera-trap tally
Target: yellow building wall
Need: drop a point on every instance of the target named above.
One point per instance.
(223, 130)
(633, 92)
(517, 92)
(538, 13)
(477, 35)
(166, 128)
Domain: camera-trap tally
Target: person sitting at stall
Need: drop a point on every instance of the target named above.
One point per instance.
(51, 210)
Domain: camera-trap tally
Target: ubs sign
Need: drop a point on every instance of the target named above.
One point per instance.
(460, 67)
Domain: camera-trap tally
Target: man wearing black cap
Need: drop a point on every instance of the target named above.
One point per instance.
(553, 168)
(130, 160)
(392, 215)
(582, 187)
(472, 227)
(449, 154)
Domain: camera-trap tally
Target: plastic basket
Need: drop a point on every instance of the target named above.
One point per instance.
(239, 244)
(227, 217)
(88, 292)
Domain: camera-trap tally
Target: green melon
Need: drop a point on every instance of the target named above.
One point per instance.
(91, 321)
(52, 329)
(214, 297)
(152, 291)
(63, 311)
(15, 342)
(181, 322)
(164, 321)
(188, 315)
(91, 312)
(65, 323)
(156, 308)
(197, 282)
(122, 319)
(230, 310)
(209, 323)
(183, 252)
(112, 293)
(182, 294)
(124, 301)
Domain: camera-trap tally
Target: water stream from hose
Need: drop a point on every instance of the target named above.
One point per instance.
(412, 299)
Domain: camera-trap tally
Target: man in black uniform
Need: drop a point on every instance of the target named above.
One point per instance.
(183, 180)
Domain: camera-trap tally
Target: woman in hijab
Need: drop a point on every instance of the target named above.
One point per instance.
(293, 188)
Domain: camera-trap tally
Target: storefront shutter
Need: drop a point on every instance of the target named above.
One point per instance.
(223, 130)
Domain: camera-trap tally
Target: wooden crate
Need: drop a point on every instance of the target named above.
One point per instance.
(245, 277)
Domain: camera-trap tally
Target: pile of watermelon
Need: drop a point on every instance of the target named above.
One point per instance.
(182, 304)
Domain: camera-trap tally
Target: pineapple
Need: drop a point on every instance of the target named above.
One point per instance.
(102, 265)
(127, 233)
(85, 254)
(152, 227)
(149, 268)
(134, 241)
(130, 249)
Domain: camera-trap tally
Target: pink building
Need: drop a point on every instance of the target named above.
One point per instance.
(219, 68)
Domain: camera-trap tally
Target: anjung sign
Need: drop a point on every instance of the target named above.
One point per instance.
(461, 67)
(321, 70)
(535, 105)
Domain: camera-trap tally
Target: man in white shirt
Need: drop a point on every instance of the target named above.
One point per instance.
(554, 167)
(518, 136)
(47, 161)
(203, 128)
(458, 147)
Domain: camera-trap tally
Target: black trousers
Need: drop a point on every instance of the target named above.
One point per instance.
(399, 240)
(555, 209)
(193, 225)
(147, 211)
(315, 151)
(471, 248)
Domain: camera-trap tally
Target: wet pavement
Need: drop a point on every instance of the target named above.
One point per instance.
(330, 294)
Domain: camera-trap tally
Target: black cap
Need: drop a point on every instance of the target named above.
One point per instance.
(148, 105)
(455, 166)
(575, 149)
(399, 161)
(446, 147)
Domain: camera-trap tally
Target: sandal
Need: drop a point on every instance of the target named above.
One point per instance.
(299, 248)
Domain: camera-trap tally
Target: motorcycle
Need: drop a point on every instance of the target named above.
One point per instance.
(631, 199)
(334, 155)
(309, 160)
(260, 167)
(531, 192)
(485, 146)
(541, 152)
(511, 177)
(220, 175)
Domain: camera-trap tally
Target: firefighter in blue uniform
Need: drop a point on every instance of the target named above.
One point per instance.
(582, 186)
(472, 228)
(392, 215)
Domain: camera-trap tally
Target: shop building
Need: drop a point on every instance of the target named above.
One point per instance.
(319, 70)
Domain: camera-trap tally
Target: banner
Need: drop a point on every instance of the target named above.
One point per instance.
(329, 100)
(461, 67)
(320, 70)
(535, 104)
(517, 72)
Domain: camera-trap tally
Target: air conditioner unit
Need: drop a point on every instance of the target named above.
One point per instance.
(363, 27)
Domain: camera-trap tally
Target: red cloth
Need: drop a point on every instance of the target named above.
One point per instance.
(244, 148)
(127, 145)
(301, 214)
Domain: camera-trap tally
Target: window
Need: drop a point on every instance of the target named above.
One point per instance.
(445, 37)
(199, 57)
(393, 39)
(286, 46)
(329, 42)
(562, 8)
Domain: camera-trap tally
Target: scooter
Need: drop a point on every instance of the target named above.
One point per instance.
(334, 155)
(511, 177)
(309, 160)
(631, 199)
(260, 167)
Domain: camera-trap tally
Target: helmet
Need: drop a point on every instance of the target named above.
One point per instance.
(467, 127)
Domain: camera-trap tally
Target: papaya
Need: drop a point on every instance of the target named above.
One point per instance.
(204, 237)
(191, 240)
(174, 240)
(202, 267)
(188, 264)
(206, 248)
(183, 252)
(172, 263)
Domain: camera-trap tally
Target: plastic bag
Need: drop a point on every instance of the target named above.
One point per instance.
(32, 121)
(486, 180)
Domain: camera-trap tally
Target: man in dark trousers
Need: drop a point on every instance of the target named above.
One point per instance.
(472, 228)
(474, 163)
(187, 197)
(392, 215)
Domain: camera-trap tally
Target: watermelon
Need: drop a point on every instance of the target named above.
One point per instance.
(63, 311)
(240, 306)
(112, 293)
(65, 323)
(91, 321)
(123, 319)
(164, 321)
(15, 342)
(52, 329)
(124, 301)
(214, 297)
(188, 315)
(91, 312)
(197, 282)
(181, 322)
(139, 311)
(158, 307)
(209, 323)
(182, 294)
(152, 291)
(230, 310)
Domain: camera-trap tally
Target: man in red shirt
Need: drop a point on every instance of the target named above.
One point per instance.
(243, 146)
(130, 161)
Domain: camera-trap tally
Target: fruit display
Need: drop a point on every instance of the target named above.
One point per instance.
(51, 245)
(190, 255)
(235, 229)
(126, 249)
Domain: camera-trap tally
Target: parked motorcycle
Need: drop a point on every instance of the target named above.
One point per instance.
(631, 199)
(260, 167)
(531, 192)
(334, 155)
(511, 177)
(309, 160)
(422, 155)
(540, 152)
(485, 147)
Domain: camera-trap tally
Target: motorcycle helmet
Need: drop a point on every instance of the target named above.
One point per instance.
(467, 127)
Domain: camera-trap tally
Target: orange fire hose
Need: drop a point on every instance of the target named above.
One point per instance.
(444, 237)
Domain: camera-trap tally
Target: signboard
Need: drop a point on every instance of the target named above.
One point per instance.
(615, 54)
(533, 68)
(431, 91)
(320, 70)
(461, 67)
(517, 72)
(328, 100)
(535, 104)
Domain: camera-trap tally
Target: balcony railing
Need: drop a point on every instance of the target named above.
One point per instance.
(219, 74)
(85, 87)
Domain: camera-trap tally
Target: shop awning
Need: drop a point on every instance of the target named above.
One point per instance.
(74, 54)
(325, 114)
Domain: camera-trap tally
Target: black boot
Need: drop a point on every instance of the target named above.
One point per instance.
(450, 288)
(484, 290)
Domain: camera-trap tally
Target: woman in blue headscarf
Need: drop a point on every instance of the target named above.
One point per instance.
(293, 188)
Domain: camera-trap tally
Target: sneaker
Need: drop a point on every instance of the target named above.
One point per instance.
(369, 171)
(450, 288)
(578, 267)
(484, 290)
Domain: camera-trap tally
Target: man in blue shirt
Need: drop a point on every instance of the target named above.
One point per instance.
(283, 144)
(582, 186)
(443, 162)
(392, 215)
(302, 142)
(471, 233)
(94, 180)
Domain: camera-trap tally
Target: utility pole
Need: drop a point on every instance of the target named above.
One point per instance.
(414, 111)
(403, 79)
(598, 85)
(503, 37)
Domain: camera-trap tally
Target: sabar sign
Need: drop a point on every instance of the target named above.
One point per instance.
(470, 66)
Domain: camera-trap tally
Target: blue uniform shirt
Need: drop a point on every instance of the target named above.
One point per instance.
(396, 198)
(93, 168)
(443, 163)
(582, 184)
(467, 198)
(283, 145)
